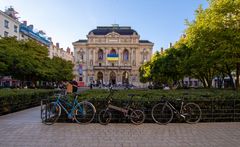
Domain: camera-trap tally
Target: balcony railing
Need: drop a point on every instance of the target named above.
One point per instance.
(113, 67)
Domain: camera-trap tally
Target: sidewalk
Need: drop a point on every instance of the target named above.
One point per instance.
(25, 129)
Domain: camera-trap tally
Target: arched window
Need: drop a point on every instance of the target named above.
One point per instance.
(125, 55)
(145, 57)
(113, 51)
(100, 54)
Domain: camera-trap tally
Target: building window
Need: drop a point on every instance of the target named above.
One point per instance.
(125, 55)
(15, 28)
(196, 83)
(112, 64)
(80, 69)
(6, 24)
(5, 34)
(113, 51)
(100, 64)
(81, 56)
(80, 78)
(100, 54)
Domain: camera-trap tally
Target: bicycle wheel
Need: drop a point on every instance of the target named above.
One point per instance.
(84, 112)
(137, 117)
(162, 113)
(50, 113)
(104, 117)
(192, 113)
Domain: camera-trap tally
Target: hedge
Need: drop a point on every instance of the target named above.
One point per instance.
(216, 105)
(12, 100)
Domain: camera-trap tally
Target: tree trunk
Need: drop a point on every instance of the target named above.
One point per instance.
(209, 83)
(203, 82)
(231, 77)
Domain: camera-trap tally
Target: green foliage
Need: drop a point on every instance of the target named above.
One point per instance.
(28, 60)
(216, 105)
(18, 99)
(209, 48)
(151, 95)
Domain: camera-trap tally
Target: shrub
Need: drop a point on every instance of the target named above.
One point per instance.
(12, 100)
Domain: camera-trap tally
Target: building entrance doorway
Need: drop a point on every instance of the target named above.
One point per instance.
(99, 78)
(125, 78)
(112, 78)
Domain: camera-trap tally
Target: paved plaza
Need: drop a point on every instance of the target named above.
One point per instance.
(25, 129)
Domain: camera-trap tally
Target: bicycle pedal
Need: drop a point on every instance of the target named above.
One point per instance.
(183, 116)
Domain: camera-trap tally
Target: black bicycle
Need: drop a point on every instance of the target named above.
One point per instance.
(135, 115)
(162, 113)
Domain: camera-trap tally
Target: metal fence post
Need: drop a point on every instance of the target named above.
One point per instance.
(212, 108)
(234, 104)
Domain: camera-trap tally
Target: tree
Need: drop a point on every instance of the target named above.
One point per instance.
(29, 61)
(215, 38)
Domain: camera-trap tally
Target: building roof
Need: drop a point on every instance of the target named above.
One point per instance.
(122, 30)
(9, 17)
(144, 41)
(81, 41)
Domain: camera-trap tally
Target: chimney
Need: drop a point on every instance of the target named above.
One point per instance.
(57, 45)
(68, 50)
(161, 50)
(170, 44)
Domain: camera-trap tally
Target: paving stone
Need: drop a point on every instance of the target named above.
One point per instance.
(24, 129)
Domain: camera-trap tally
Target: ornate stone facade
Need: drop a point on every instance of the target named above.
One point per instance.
(111, 54)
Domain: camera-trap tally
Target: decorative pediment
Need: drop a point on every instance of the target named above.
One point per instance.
(113, 34)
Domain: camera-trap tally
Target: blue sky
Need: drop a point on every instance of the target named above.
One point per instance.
(66, 21)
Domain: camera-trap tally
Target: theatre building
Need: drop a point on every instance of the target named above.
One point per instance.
(111, 55)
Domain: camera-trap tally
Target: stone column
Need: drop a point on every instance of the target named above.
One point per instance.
(106, 77)
(94, 57)
(118, 52)
(118, 74)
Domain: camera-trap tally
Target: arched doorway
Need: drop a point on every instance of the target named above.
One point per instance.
(99, 78)
(125, 78)
(112, 79)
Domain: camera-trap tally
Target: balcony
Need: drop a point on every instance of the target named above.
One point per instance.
(112, 67)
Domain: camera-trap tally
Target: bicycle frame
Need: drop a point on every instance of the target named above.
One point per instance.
(179, 113)
(72, 106)
(123, 110)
